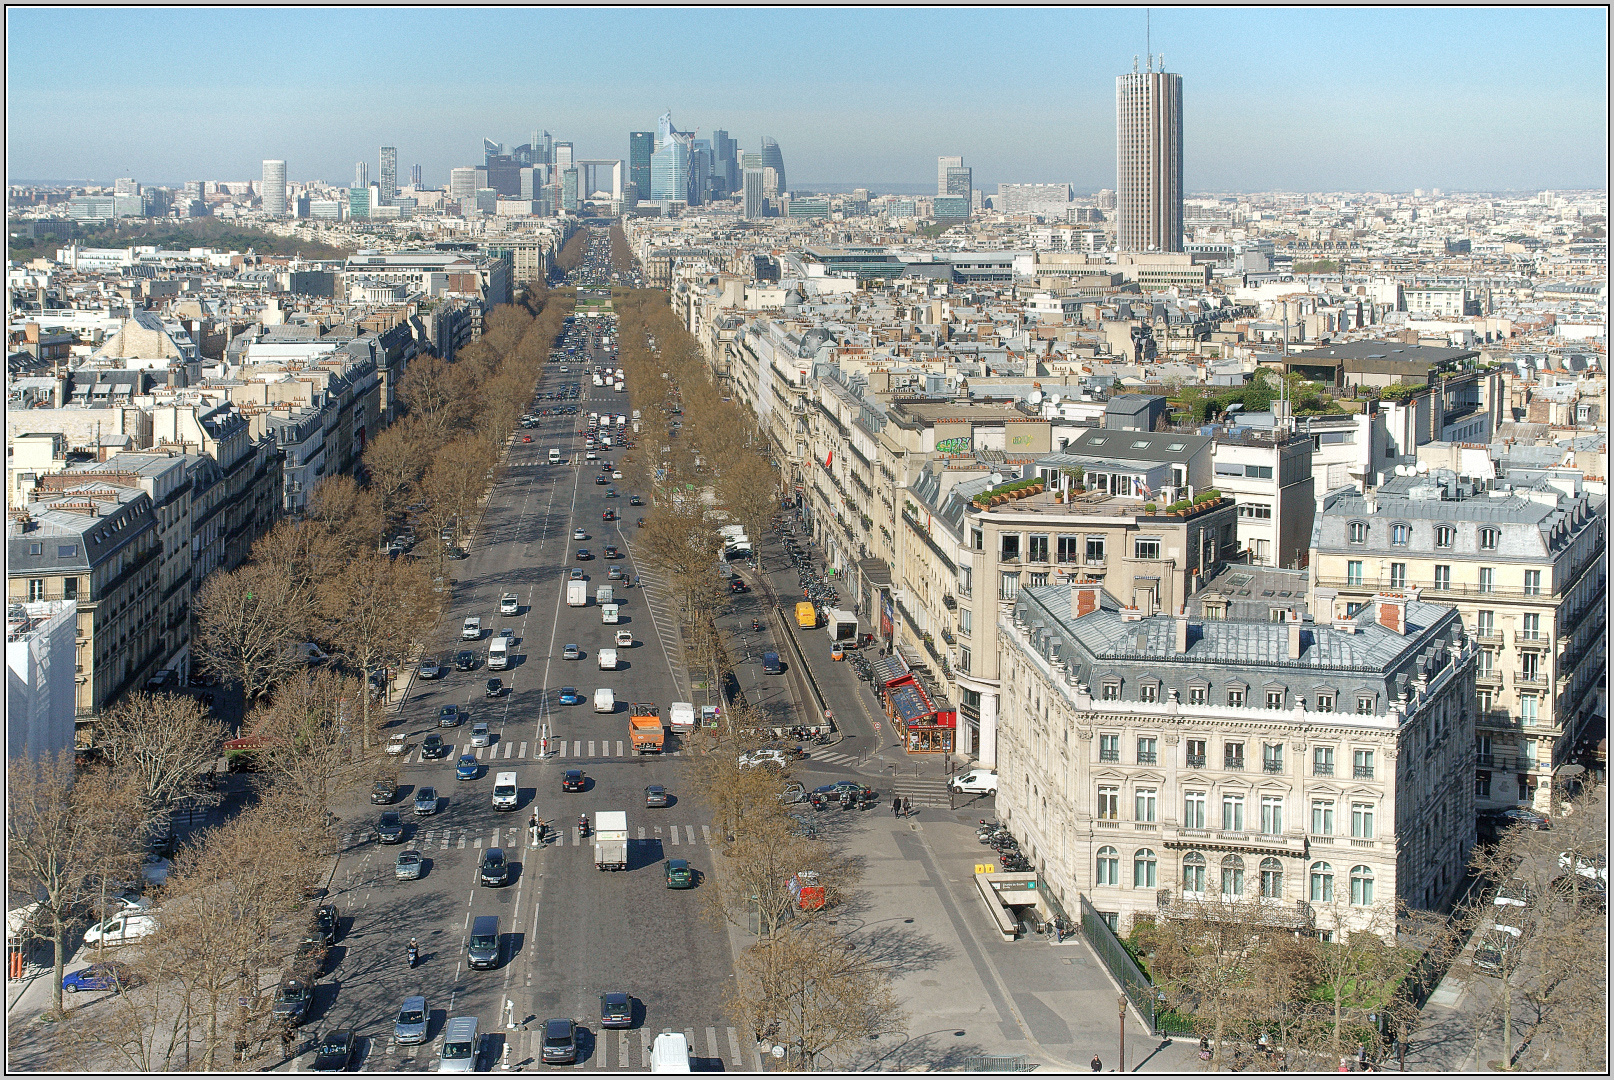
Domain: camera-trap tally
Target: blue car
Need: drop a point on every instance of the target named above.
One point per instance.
(570, 696)
(109, 976)
(466, 768)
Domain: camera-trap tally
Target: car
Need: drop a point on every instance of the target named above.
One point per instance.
(467, 767)
(458, 553)
(432, 746)
(602, 480)
(771, 664)
(574, 780)
(571, 652)
(1524, 815)
(975, 782)
(397, 743)
(579, 534)
(389, 828)
(610, 493)
(493, 688)
(583, 555)
(465, 660)
(777, 759)
(471, 629)
(655, 795)
(480, 734)
(616, 474)
(560, 1042)
(1593, 865)
(384, 791)
(154, 868)
(526, 438)
(570, 696)
(412, 1023)
(495, 869)
(1588, 891)
(634, 500)
(325, 922)
(738, 586)
(624, 639)
(408, 865)
(508, 635)
(1491, 952)
(105, 976)
(426, 801)
(679, 874)
(837, 787)
(576, 574)
(449, 716)
(335, 1051)
(430, 668)
(611, 552)
(615, 573)
(616, 1010)
(591, 455)
(291, 1001)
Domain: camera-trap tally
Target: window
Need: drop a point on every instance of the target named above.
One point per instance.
(1271, 879)
(1193, 810)
(1146, 751)
(1353, 572)
(1358, 532)
(964, 659)
(1258, 472)
(1146, 548)
(1442, 577)
(1398, 575)
(1143, 869)
(70, 588)
(1482, 784)
(1149, 692)
(1095, 551)
(1274, 699)
(1485, 623)
(1143, 804)
(36, 549)
(1229, 468)
(1362, 764)
(1037, 549)
(1529, 709)
(1322, 883)
(1235, 698)
(977, 540)
(1272, 814)
(966, 621)
(1196, 753)
(1361, 886)
(1532, 625)
(1532, 583)
(1444, 535)
(1196, 695)
(1232, 813)
(1233, 755)
(70, 551)
(1010, 547)
(1038, 579)
(1487, 579)
(1487, 539)
(1110, 691)
(1325, 702)
(1009, 587)
(1255, 510)
(1364, 706)
(1351, 609)
(1109, 746)
(1362, 820)
(1109, 804)
(966, 581)
(1068, 549)
(1232, 876)
(1109, 867)
(1322, 817)
(1400, 534)
(1193, 874)
(36, 589)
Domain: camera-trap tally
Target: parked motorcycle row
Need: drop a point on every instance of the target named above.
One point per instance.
(813, 586)
(999, 838)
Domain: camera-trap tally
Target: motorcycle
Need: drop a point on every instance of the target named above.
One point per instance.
(582, 825)
(756, 624)
(639, 524)
(414, 953)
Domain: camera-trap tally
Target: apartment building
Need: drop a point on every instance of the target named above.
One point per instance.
(1524, 560)
(1315, 773)
(1268, 473)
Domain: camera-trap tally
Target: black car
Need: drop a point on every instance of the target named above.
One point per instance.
(495, 869)
(655, 795)
(583, 555)
(464, 661)
(573, 781)
(292, 998)
(389, 830)
(495, 688)
(602, 479)
(325, 922)
(384, 791)
(432, 746)
(616, 1011)
(335, 1052)
(560, 1042)
(634, 500)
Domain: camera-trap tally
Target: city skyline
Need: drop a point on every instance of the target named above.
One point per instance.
(1260, 117)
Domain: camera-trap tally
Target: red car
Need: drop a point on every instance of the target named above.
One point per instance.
(526, 438)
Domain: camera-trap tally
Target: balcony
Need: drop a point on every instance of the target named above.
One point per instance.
(1196, 761)
(1290, 914)
(1484, 761)
(1322, 768)
(1109, 755)
(1235, 839)
(949, 603)
(1233, 764)
(1270, 766)
(1531, 637)
(1493, 677)
(1530, 678)
(1489, 637)
(1147, 757)
(1362, 772)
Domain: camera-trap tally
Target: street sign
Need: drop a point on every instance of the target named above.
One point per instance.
(985, 868)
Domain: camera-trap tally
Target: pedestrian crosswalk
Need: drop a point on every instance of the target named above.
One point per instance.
(714, 1050)
(919, 791)
(592, 748)
(851, 761)
(499, 751)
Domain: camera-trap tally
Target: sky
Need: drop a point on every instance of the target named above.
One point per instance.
(1297, 99)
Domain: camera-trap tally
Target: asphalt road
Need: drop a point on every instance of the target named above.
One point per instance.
(569, 932)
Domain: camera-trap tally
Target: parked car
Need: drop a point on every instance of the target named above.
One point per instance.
(975, 782)
(292, 1000)
(335, 1051)
(1492, 949)
(1593, 865)
(426, 801)
(106, 976)
(467, 767)
(616, 1010)
(1524, 815)
(777, 759)
(655, 795)
(389, 829)
(408, 865)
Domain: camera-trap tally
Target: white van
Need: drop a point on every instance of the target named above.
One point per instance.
(126, 926)
(504, 791)
(472, 628)
(669, 1053)
(609, 613)
(605, 700)
(459, 1045)
(554, 456)
(607, 659)
(682, 716)
(509, 604)
(499, 654)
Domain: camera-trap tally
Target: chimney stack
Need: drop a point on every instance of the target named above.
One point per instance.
(1323, 606)
(1296, 646)
(1390, 611)
(1182, 630)
(1083, 598)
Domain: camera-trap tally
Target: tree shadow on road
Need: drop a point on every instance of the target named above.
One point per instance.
(900, 949)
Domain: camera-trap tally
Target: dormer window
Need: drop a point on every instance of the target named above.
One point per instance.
(1358, 532)
(1400, 534)
(1487, 539)
(1444, 534)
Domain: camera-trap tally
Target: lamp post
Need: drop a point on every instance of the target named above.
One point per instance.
(1121, 1004)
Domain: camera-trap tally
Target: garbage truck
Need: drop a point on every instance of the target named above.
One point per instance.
(611, 840)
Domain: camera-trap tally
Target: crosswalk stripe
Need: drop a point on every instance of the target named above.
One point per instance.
(508, 747)
(523, 751)
(706, 831)
(690, 829)
(646, 1040)
(577, 837)
(619, 748)
(622, 1051)
(591, 748)
(689, 1038)
(641, 833)
(675, 836)
(711, 1043)
(734, 1052)
(477, 842)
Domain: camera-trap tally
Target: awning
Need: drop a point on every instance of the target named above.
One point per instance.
(889, 669)
(876, 572)
(909, 703)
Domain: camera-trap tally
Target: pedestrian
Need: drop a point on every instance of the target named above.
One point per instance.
(896, 807)
(907, 807)
(1098, 1066)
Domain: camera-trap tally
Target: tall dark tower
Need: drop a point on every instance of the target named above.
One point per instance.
(1148, 159)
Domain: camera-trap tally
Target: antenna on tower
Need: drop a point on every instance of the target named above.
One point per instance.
(1147, 42)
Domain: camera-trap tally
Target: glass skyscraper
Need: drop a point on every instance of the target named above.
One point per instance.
(274, 188)
(389, 174)
(669, 171)
(641, 147)
(773, 159)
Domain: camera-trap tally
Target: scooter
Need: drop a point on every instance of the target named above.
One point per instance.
(582, 825)
(414, 954)
(756, 624)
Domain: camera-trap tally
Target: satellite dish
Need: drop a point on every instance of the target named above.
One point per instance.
(1053, 399)
(1401, 470)
(997, 478)
(1423, 468)
(1036, 397)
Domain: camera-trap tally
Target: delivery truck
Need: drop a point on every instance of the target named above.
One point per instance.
(842, 625)
(577, 593)
(611, 839)
(609, 613)
(604, 595)
(499, 654)
(644, 728)
(806, 615)
(682, 717)
(605, 700)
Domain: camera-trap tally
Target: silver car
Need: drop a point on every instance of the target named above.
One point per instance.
(426, 801)
(407, 868)
(480, 735)
(412, 1021)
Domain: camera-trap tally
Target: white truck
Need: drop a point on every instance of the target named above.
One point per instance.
(611, 839)
(682, 717)
(670, 1053)
(509, 604)
(499, 654)
(609, 613)
(841, 625)
(504, 791)
(605, 700)
(607, 658)
(554, 456)
(577, 594)
(471, 629)
(605, 595)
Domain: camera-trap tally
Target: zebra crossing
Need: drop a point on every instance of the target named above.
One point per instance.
(499, 751)
(720, 1050)
(585, 748)
(850, 761)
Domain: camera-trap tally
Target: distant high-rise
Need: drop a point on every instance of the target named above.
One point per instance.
(958, 181)
(773, 159)
(389, 174)
(724, 167)
(462, 186)
(361, 174)
(569, 179)
(942, 165)
(753, 204)
(274, 187)
(128, 186)
(563, 154)
(1148, 160)
(669, 171)
(414, 176)
(641, 145)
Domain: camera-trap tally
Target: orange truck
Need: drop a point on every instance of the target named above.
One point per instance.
(644, 728)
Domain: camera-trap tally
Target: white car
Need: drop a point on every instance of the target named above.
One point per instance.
(398, 744)
(509, 604)
(472, 628)
(1587, 865)
(616, 474)
(776, 758)
(977, 782)
(624, 639)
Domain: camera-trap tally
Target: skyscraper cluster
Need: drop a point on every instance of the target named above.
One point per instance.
(672, 166)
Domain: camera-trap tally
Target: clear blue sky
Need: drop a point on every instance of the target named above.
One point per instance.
(1296, 99)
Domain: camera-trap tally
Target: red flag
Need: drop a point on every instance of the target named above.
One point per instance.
(829, 459)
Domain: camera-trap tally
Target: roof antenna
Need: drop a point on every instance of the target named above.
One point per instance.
(1147, 43)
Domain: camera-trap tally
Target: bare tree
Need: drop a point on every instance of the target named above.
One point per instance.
(168, 743)
(348, 512)
(248, 625)
(375, 609)
(314, 745)
(66, 835)
(396, 459)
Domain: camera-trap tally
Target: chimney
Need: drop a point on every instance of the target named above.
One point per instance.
(1390, 611)
(1182, 630)
(30, 332)
(1083, 598)
(1295, 644)
(1131, 613)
